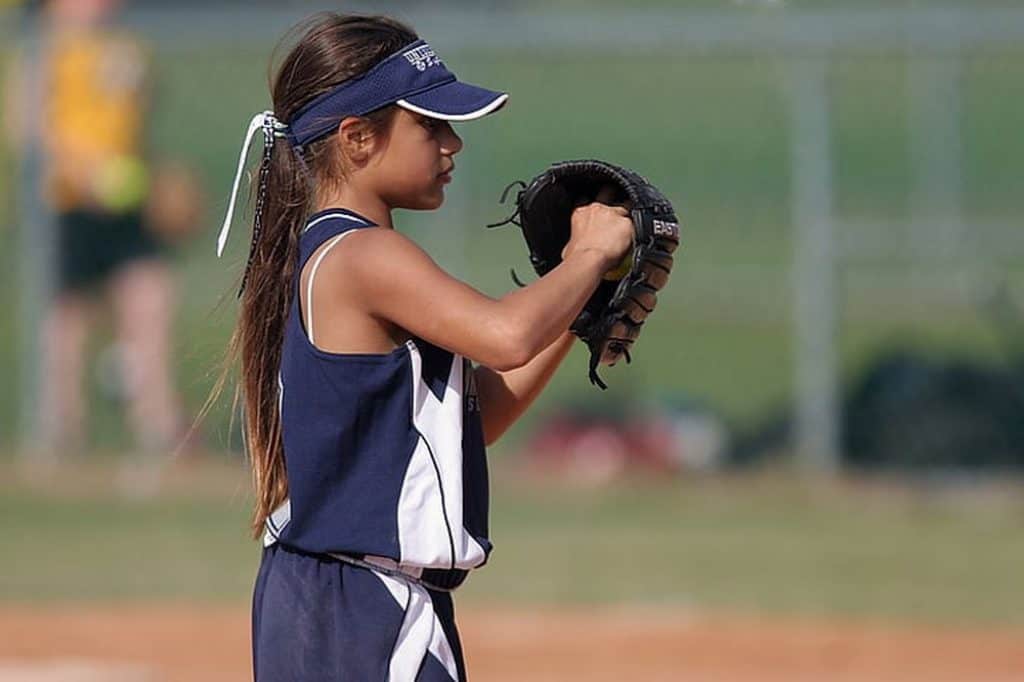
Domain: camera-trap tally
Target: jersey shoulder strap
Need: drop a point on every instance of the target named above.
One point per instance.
(324, 225)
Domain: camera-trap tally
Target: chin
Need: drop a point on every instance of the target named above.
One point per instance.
(430, 202)
(426, 201)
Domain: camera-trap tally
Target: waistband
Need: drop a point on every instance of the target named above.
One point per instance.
(438, 579)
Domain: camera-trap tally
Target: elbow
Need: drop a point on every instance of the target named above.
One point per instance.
(514, 348)
(509, 358)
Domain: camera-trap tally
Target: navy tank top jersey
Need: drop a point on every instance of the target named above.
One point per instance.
(384, 452)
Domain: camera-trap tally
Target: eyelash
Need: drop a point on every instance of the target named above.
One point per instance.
(431, 124)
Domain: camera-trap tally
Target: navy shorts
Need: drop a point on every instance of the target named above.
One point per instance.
(315, 619)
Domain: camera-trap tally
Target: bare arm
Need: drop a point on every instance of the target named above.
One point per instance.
(505, 396)
(395, 280)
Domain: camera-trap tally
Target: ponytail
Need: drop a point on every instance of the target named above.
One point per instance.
(284, 198)
(332, 48)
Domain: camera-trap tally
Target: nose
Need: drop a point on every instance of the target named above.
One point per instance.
(451, 143)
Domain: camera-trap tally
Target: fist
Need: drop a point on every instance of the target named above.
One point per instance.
(603, 228)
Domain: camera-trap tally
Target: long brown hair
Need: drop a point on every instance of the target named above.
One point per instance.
(331, 48)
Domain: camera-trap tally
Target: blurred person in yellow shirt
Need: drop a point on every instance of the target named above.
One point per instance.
(91, 129)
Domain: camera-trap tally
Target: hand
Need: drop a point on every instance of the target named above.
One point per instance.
(600, 227)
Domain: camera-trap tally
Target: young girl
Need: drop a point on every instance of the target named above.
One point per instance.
(372, 380)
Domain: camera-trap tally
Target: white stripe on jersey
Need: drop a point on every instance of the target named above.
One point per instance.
(431, 497)
(421, 634)
(324, 250)
(322, 218)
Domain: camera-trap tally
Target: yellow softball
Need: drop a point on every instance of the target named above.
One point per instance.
(121, 183)
(621, 270)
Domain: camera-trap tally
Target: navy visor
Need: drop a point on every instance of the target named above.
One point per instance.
(414, 78)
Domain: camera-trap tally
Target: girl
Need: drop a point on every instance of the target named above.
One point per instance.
(82, 95)
(365, 416)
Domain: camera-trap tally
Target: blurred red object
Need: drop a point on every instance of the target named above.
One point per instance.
(595, 448)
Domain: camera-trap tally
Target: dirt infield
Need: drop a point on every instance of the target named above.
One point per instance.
(171, 643)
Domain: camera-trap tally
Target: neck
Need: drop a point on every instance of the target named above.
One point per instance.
(364, 203)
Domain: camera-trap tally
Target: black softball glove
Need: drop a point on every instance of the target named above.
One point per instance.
(611, 320)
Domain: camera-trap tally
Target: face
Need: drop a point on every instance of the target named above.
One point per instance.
(414, 161)
(81, 12)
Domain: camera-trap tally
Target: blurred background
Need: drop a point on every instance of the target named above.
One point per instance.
(811, 468)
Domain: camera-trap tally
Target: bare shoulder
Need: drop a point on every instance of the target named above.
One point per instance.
(380, 238)
(385, 275)
(374, 257)
(376, 251)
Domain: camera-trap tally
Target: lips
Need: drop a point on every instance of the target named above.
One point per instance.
(446, 176)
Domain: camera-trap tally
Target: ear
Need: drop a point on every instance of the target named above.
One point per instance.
(355, 135)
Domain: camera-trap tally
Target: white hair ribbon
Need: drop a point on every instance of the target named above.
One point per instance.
(267, 121)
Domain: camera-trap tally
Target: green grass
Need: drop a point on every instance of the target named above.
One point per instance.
(758, 543)
(713, 132)
(762, 544)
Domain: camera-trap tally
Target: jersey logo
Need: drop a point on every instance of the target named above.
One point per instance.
(422, 57)
(469, 387)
